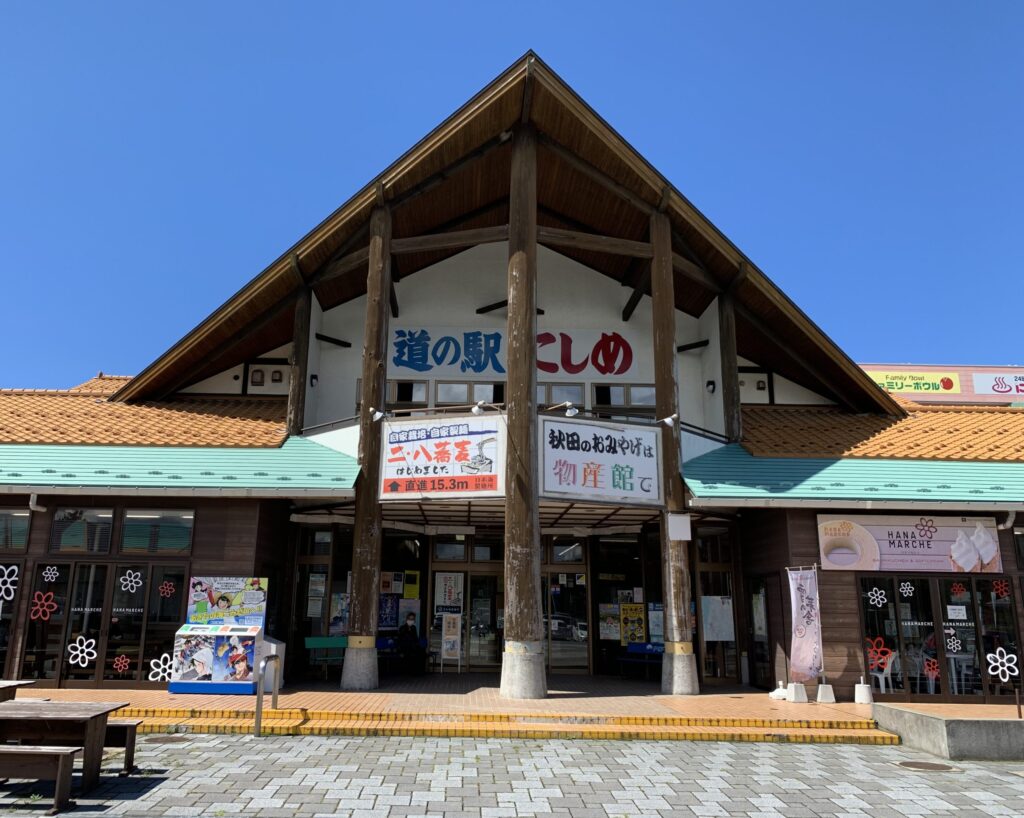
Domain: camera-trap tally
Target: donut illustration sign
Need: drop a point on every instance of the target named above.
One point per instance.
(909, 543)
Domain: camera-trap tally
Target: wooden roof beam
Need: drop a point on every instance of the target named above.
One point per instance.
(641, 285)
(798, 359)
(450, 240)
(595, 174)
(592, 241)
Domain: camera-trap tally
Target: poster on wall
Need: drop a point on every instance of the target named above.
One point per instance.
(634, 629)
(656, 621)
(716, 619)
(411, 586)
(227, 601)
(909, 543)
(448, 592)
(608, 625)
(443, 458)
(338, 626)
(600, 461)
(387, 612)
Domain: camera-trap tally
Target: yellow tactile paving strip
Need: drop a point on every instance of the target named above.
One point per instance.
(613, 711)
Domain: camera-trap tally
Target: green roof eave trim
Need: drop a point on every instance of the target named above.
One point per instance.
(731, 476)
(299, 468)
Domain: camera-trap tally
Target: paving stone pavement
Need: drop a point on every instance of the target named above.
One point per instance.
(281, 777)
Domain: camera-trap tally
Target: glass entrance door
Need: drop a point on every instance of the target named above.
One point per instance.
(761, 658)
(486, 621)
(87, 624)
(566, 629)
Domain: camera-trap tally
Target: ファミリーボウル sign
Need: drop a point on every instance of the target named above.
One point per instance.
(921, 383)
(909, 543)
(600, 461)
(447, 458)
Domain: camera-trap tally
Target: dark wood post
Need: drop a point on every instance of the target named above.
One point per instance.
(522, 671)
(679, 667)
(299, 362)
(730, 367)
(359, 671)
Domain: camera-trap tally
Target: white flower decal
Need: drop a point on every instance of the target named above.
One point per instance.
(131, 581)
(50, 573)
(953, 644)
(1002, 664)
(876, 596)
(8, 582)
(160, 668)
(906, 589)
(82, 651)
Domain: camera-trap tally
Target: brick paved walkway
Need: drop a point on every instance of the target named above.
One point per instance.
(465, 778)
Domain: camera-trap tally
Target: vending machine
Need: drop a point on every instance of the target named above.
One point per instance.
(219, 647)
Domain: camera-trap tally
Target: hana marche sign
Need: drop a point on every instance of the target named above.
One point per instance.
(443, 458)
(920, 383)
(909, 543)
(450, 352)
(600, 461)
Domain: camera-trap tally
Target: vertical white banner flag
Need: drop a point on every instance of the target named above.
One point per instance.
(805, 660)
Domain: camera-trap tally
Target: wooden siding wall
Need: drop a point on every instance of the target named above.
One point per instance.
(274, 558)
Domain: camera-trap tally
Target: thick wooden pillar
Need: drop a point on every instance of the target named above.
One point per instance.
(359, 671)
(730, 367)
(522, 671)
(299, 362)
(679, 667)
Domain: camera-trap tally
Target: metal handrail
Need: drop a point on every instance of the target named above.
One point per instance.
(260, 684)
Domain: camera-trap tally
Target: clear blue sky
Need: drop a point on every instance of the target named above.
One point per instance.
(155, 156)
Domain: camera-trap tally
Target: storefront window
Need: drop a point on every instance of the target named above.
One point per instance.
(44, 634)
(566, 549)
(10, 579)
(157, 531)
(124, 631)
(81, 531)
(956, 599)
(85, 619)
(453, 549)
(488, 546)
(920, 658)
(998, 635)
(14, 529)
(881, 643)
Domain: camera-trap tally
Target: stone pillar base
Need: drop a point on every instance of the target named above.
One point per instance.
(523, 673)
(679, 670)
(359, 671)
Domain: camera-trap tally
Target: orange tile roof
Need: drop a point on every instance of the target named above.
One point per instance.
(87, 417)
(935, 432)
(102, 384)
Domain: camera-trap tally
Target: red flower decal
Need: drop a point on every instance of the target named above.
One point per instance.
(166, 589)
(1001, 587)
(42, 606)
(878, 654)
(122, 663)
(931, 668)
(957, 588)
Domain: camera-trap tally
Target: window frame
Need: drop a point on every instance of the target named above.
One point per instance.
(184, 554)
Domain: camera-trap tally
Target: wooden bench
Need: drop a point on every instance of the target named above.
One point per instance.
(122, 733)
(119, 733)
(43, 763)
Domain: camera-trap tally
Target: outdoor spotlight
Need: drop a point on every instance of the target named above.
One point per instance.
(479, 408)
(571, 411)
(670, 421)
(375, 414)
(710, 386)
